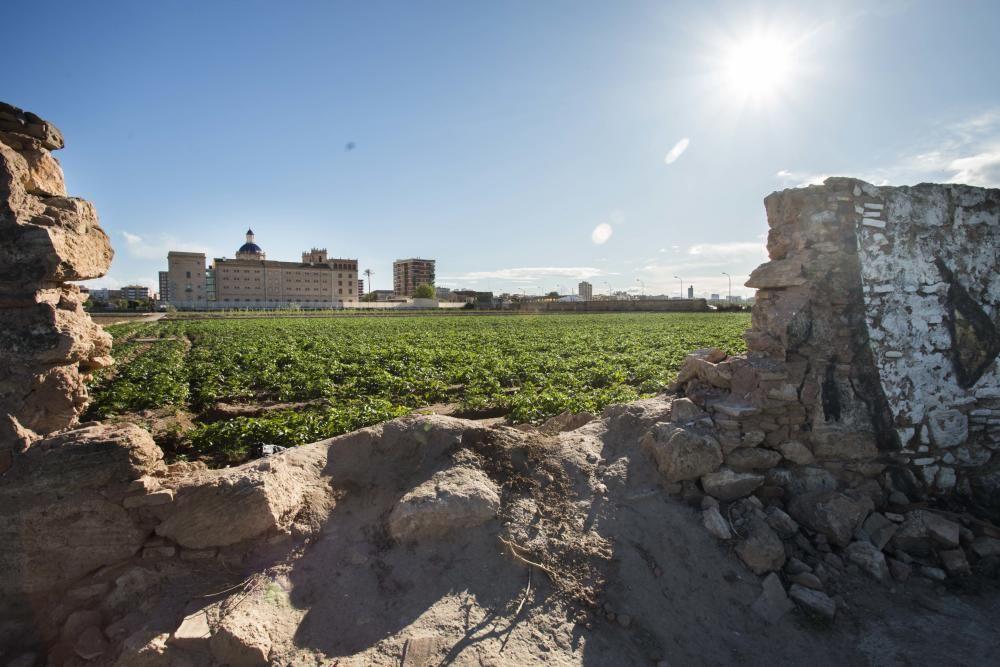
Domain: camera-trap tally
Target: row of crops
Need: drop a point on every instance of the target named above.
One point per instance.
(359, 371)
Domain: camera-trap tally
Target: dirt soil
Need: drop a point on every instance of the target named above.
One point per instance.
(588, 562)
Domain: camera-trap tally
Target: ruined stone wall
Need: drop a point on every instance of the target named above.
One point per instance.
(47, 342)
(872, 352)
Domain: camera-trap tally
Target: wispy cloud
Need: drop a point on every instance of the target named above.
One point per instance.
(528, 275)
(702, 265)
(677, 150)
(799, 179)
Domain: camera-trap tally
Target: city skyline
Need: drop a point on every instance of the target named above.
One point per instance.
(523, 148)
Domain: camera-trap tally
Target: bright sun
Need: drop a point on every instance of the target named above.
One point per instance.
(757, 68)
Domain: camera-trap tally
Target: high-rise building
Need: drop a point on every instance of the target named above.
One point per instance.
(585, 290)
(251, 280)
(714, 297)
(690, 291)
(164, 286)
(361, 287)
(408, 274)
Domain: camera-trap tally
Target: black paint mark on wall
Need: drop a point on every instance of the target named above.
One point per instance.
(831, 394)
(975, 341)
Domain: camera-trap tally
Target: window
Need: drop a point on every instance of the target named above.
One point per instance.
(188, 274)
(340, 291)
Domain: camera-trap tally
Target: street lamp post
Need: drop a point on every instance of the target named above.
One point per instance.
(609, 289)
(730, 285)
(682, 285)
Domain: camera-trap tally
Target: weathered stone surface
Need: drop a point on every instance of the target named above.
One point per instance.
(452, 499)
(984, 547)
(746, 459)
(761, 549)
(869, 558)
(727, 484)
(684, 410)
(91, 644)
(879, 529)
(830, 513)
(777, 274)
(224, 507)
(773, 602)
(922, 530)
(796, 452)
(193, 633)
(784, 525)
(716, 524)
(815, 604)
(955, 562)
(682, 453)
(241, 639)
(567, 421)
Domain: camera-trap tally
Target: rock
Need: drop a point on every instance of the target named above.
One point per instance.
(23, 660)
(79, 621)
(869, 558)
(727, 484)
(241, 639)
(815, 604)
(90, 644)
(829, 513)
(777, 274)
(161, 497)
(796, 452)
(708, 502)
(624, 620)
(984, 547)
(753, 437)
(567, 421)
(838, 446)
(899, 499)
(772, 603)
(921, 530)
(131, 588)
(941, 530)
(682, 453)
(933, 573)
(802, 479)
(715, 523)
(223, 507)
(955, 563)
(684, 410)
(796, 566)
(761, 549)
(899, 570)
(193, 633)
(783, 525)
(630, 421)
(746, 459)
(807, 579)
(147, 648)
(879, 529)
(457, 498)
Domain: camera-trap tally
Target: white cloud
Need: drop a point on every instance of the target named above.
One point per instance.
(677, 150)
(601, 233)
(966, 151)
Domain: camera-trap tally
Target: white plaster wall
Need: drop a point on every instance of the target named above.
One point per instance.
(900, 233)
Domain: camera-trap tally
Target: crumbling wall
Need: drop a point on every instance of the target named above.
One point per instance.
(872, 350)
(47, 342)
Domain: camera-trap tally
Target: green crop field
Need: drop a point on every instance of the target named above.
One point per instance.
(346, 373)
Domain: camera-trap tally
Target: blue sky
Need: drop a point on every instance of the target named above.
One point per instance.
(523, 145)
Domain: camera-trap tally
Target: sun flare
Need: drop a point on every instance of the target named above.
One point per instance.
(757, 68)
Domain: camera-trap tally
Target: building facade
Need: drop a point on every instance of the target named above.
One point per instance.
(407, 274)
(585, 290)
(135, 293)
(253, 281)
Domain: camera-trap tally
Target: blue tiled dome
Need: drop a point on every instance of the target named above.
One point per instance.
(250, 248)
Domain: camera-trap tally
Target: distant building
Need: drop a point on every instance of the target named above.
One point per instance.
(164, 285)
(585, 290)
(407, 274)
(134, 293)
(383, 294)
(690, 291)
(361, 287)
(100, 294)
(735, 298)
(251, 280)
(714, 297)
(442, 293)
